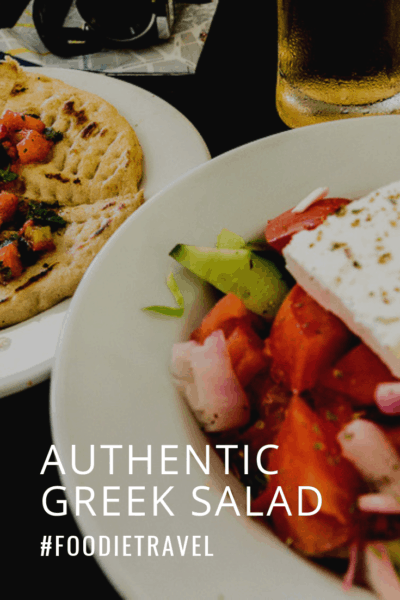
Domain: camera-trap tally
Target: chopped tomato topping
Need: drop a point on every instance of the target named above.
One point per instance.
(279, 231)
(15, 121)
(11, 149)
(29, 223)
(34, 147)
(20, 135)
(8, 206)
(10, 259)
(305, 339)
(3, 131)
(39, 238)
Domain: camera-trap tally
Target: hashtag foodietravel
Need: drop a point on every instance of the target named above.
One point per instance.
(127, 545)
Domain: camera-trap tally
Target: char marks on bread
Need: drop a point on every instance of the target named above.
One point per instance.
(57, 275)
(99, 156)
(90, 178)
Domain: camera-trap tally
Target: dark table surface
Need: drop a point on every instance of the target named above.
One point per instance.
(231, 101)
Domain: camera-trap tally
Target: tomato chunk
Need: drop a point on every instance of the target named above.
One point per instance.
(34, 147)
(334, 409)
(271, 401)
(226, 315)
(305, 339)
(357, 374)
(280, 230)
(309, 455)
(239, 325)
(8, 206)
(246, 353)
(15, 121)
(10, 259)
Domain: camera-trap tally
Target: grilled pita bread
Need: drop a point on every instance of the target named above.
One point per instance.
(91, 177)
(57, 275)
(99, 156)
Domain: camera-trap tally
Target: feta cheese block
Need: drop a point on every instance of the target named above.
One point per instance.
(350, 264)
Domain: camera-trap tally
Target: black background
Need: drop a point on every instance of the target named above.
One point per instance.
(231, 101)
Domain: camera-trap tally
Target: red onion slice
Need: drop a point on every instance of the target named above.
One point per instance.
(382, 503)
(205, 376)
(351, 571)
(381, 574)
(387, 397)
(180, 365)
(367, 447)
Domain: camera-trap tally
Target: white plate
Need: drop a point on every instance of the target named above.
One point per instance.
(111, 382)
(171, 146)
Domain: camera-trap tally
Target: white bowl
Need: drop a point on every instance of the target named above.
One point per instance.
(111, 383)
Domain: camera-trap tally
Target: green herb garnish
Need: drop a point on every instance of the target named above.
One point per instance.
(331, 416)
(43, 215)
(52, 135)
(5, 272)
(6, 175)
(11, 238)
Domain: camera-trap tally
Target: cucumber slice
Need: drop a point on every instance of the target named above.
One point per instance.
(254, 279)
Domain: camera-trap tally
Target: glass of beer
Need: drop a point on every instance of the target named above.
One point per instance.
(338, 59)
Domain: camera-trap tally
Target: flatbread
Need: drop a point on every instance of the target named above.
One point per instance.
(57, 275)
(91, 176)
(99, 156)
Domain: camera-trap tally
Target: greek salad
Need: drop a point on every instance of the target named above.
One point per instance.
(302, 353)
